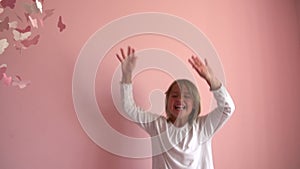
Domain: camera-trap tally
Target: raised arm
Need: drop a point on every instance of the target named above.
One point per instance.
(137, 114)
(225, 105)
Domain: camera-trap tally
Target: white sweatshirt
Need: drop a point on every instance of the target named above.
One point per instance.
(187, 147)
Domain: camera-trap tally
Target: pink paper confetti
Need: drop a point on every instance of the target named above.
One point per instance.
(8, 3)
(3, 45)
(39, 5)
(29, 42)
(27, 29)
(13, 24)
(17, 81)
(21, 34)
(33, 22)
(6, 79)
(24, 38)
(4, 24)
(60, 24)
(18, 36)
(3, 68)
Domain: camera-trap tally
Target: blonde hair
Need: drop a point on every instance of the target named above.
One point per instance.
(192, 89)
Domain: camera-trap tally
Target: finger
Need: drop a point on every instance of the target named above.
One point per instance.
(206, 63)
(198, 61)
(128, 51)
(119, 58)
(122, 52)
(191, 62)
(132, 51)
(134, 59)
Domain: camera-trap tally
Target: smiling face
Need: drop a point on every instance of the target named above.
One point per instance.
(182, 101)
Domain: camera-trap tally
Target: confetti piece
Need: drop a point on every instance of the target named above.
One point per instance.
(48, 13)
(13, 24)
(33, 22)
(27, 29)
(3, 68)
(29, 42)
(60, 24)
(6, 79)
(3, 45)
(20, 36)
(4, 24)
(39, 6)
(17, 81)
(8, 3)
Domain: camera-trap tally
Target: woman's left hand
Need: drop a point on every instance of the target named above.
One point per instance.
(205, 72)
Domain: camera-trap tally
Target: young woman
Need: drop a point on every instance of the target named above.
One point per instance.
(183, 138)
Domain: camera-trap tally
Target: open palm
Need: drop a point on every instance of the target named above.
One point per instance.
(128, 61)
(202, 69)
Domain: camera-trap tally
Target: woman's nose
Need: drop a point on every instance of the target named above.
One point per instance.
(179, 98)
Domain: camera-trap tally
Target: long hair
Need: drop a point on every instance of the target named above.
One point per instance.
(192, 89)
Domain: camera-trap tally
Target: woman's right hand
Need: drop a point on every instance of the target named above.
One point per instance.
(128, 62)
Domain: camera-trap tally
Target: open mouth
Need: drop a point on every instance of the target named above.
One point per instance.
(179, 107)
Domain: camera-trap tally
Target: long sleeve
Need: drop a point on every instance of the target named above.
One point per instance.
(218, 117)
(135, 113)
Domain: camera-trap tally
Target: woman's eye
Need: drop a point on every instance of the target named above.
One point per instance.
(187, 96)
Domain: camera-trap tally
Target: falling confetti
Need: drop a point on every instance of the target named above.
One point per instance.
(9, 81)
(21, 34)
(13, 25)
(3, 68)
(6, 79)
(27, 29)
(8, 3)
(39, 5)
(3, 45)
(60, 24)
(29, 42)
(32, 16)
(33, 22)
(17, 81)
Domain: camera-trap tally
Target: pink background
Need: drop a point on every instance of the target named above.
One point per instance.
(258, 44)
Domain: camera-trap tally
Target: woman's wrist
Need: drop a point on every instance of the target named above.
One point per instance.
(214, 83)
(126, 78)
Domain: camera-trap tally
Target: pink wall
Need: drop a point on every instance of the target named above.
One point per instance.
(258, 44)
